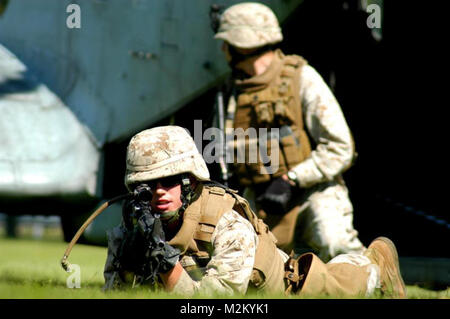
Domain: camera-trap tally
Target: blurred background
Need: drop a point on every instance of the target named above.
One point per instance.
(71, 98)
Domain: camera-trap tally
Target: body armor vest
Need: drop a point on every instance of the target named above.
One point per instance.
(271, 100)
(199, 221)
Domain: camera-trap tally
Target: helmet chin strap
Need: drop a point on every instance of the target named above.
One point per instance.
(186, 197)
(186, 192)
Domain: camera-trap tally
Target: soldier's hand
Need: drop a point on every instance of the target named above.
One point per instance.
(168, 258)
(286, 178)
(276, 197)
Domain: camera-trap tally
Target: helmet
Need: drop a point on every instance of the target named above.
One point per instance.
(249, 25)
(163, 151)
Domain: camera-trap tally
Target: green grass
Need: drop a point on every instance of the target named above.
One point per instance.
(30, 269)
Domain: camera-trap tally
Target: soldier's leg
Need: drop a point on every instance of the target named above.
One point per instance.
(283, 228)
(348, 275)
(354, 275)
(281, 225)
(327, 225)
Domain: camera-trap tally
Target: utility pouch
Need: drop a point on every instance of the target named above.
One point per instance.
(272, 104)
(292, 275)
(264, 113)
(282, 114)
(290, 147)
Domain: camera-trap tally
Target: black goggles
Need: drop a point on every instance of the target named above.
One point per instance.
(165, 182)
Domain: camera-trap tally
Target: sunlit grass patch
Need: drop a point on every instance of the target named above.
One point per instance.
(31, 269)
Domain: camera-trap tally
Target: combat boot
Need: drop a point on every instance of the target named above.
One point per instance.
(382, 252)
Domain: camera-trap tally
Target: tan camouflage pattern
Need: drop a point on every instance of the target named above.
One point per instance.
(328, 221)
(327, 126)
(228, 272)
(233, 242)
(163, 151)
(249, 25)
(327, 224)
(373, 281)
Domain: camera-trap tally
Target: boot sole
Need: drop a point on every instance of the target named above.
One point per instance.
(399, 284)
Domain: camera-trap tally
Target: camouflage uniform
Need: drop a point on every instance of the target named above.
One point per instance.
(231, 264)
(168, 151)
(228, 271)
(327, 223)
(235, 243)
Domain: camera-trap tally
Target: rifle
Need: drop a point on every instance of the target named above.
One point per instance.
(221, 118)
(144, 250)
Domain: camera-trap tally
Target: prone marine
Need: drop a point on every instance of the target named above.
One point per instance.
(188, 234)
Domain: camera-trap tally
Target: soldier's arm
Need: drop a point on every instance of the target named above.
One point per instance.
(326, 124)
(111, 273)
(229, 270)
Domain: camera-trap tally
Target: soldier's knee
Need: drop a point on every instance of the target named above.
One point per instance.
(329, 244)
(332, 246)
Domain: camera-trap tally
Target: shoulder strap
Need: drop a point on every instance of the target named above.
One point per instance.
(215, 202)
(295, 61)
(240, 205)
(268, 268)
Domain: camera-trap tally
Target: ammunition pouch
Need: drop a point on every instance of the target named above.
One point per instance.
(271, 101)
(293, 277)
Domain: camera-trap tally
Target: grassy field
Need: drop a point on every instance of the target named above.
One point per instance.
(30, 269)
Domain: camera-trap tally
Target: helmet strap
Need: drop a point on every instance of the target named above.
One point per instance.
(186, 191)
(171, 219)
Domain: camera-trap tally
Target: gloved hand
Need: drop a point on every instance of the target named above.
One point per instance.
(168, 257)
(276, 197)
